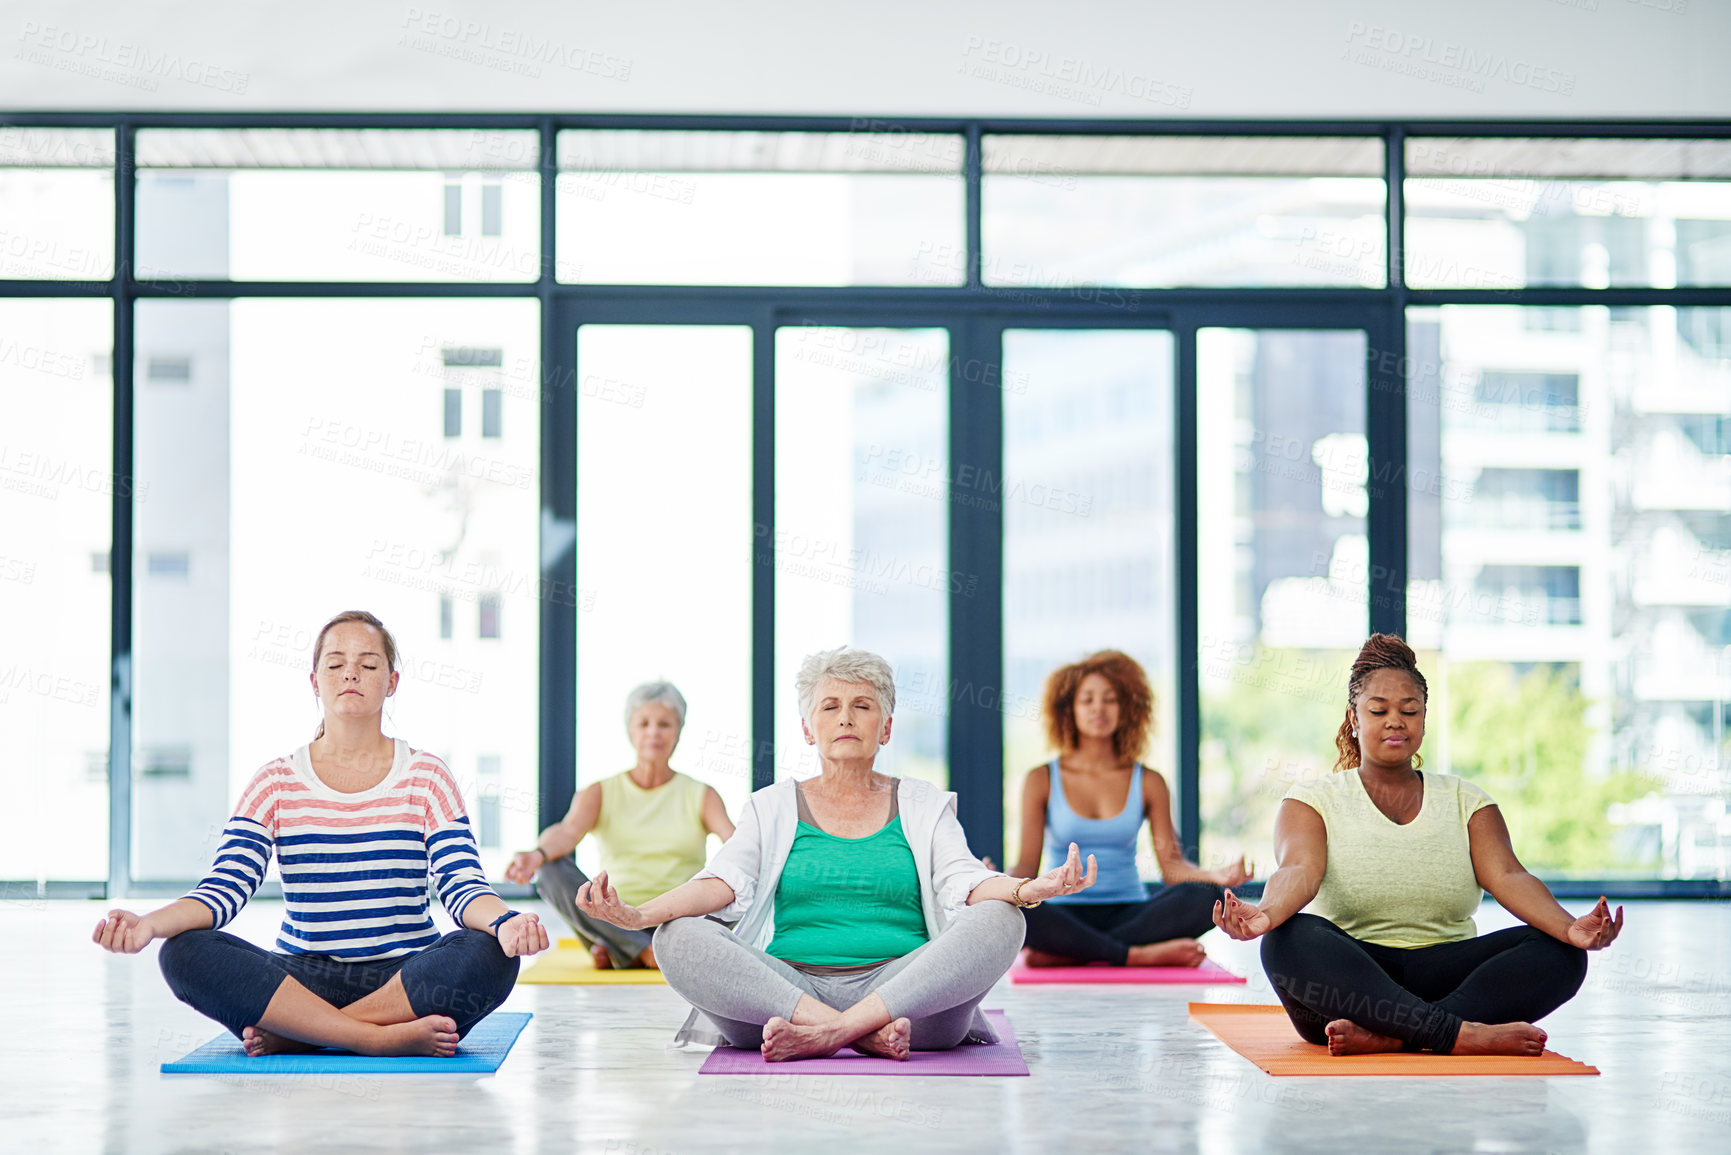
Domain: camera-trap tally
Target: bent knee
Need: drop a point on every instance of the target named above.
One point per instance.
(1565, 962)
(1001, 918)
(1300, 928)
(178, 954)
(677, 937)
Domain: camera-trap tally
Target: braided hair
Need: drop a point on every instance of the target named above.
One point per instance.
(1380, 652)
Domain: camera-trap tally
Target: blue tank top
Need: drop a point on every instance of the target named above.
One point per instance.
(1112, 842)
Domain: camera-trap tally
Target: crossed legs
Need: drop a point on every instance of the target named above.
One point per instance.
(924, 1000)
(1477, 996)
(418, 1005)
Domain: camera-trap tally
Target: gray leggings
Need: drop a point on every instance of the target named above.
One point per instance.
(558, 882)
(938, 986)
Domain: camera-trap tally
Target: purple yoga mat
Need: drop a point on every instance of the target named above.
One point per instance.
(1001, 1058)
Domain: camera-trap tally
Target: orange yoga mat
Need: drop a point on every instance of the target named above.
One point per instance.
(1266, 1037)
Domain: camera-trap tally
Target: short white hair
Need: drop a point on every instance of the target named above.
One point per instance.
(844, 664)
(651, 693)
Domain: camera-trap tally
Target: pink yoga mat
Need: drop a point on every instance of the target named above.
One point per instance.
(1001, 1058)
(1208, 972)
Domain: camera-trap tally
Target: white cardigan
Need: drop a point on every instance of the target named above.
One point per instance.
(751, 862)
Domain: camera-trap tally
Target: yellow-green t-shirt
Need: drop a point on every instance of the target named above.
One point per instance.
(1395, 885)
(651, 840)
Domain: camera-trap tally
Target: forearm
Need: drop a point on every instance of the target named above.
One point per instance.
(1288, 891)
(557, 841)
(482, 910)
(1179, 869)
(1531, 901)
(179, 916)
(697, 897)
(999, 888)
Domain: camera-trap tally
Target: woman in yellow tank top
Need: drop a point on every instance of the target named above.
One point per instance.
(653, 823)
(1396, 860)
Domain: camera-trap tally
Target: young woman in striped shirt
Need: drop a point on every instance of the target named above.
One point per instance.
(359, 822)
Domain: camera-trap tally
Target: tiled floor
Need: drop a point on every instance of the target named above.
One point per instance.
(1114, 1069)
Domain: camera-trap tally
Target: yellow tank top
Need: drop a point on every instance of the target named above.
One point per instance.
(651, 840)
(1396, 885)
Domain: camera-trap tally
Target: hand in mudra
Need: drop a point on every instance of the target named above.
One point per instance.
(1066, 879)
(523, 936)
(1233, 874)
(1596, 929)
(523, 866)
(1239, 919)
(123, 932)
(599, 900)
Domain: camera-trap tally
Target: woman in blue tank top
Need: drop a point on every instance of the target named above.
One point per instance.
(1097, 795)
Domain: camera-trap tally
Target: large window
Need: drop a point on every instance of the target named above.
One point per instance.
(298, 468)
(664, 542)
(1571, 577)
(576, 402)
(1088, 530)
(57, 490)
(56, 204)
(338, 205)
(863, 490)
(1149, 211)
(760, 208)
(1508, 213)
(1284, 564)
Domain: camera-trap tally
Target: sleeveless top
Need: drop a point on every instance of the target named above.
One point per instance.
(848, 902)
(1112, 842)
(651, 840)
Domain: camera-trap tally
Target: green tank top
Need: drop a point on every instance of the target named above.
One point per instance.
(847, 901)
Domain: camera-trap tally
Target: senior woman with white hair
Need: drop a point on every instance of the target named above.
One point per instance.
(863, 919)
(653, 822)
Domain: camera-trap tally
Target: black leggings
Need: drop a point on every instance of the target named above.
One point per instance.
(1419, 995)
(1105, 931)
(464, 975)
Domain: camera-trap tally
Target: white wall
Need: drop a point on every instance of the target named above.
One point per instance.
(1111, 58)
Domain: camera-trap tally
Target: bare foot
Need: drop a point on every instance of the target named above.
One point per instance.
(1039, 958)
(647, 958)
(603, 960)
(434, 1035)
(1176, 952)
(783, 1040)
(259, 1041)
(1499, 1039)
(1346, 1037)
(889, 1041)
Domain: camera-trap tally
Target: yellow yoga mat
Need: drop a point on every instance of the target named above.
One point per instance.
(569, 963)
(1265, 1036)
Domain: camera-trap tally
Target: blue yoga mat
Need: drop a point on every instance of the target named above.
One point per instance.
(483, 1049)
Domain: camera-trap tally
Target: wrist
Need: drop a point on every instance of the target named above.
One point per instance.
(499, 922)
(545, 857)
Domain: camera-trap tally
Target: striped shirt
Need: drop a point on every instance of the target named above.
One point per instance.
(354, 866)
